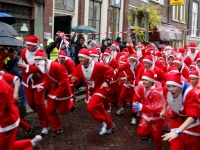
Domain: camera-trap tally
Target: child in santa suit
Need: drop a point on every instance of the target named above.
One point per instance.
(14, 80)
(33, 82)
(97, 78)
(59, 91)
(185, 106)
(149, 100)
(9, 121)
(68, 64)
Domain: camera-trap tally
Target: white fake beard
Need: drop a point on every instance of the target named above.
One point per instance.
(107, 58)
(95, 59)
(41, 65)
(132, 65)
(168, 52)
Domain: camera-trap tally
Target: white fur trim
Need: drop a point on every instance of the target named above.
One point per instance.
(147, 78)
(132, 58)
(193, 76)
(39, 57)
(15, 79)
(31, 43)
(147, 60)
(27, 68)
(83, 55)
(122, 62)
(61, 56)
(10, 127)
(174, 83)
(176, 61)
(95, 55)
(106, 53)
(197, 60)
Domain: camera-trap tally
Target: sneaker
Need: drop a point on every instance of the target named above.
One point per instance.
(109, 131)
(57, 132)
(133, 121)
(30, 131)
(45, 131)
(109, 111)
(128, 104)
(120, 111)
(83, 88)
(36, 140)
(103, 129)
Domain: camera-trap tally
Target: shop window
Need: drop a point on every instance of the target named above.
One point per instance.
(22, 1)
(67, 5)
(194, 19)
(16, 10)
(94, 18)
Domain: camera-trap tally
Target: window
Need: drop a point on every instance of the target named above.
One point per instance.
(16, 10)
(94, 19)
(194, 18)
(178, 13)
(146, 1)
(67, 5)
(159, 1)
(115, 3)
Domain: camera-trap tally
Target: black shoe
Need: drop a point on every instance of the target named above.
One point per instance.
(145, 138)
(57, 132)
(30, 132)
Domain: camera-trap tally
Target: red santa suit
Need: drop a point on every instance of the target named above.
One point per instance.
(150, 103)
(9, 121)
(93, 77)
(114, 92)
(59, 91)
(130, 72)
(32, 81)
(69, 66)
(10, 79)
(191, 57)
(186, 104)
(159, 75)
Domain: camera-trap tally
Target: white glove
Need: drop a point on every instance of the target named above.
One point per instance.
(137, 106)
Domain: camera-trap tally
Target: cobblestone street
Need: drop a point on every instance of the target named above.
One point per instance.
(82, 132)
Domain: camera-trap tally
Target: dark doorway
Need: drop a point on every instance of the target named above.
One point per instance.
(62, 23)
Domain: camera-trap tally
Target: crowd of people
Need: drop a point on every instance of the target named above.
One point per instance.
(160, 85)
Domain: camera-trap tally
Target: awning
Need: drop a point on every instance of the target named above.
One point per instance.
(166, 33)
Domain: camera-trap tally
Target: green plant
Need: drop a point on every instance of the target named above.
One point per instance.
(140, 33)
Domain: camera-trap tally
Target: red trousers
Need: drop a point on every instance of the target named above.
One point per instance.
(97, 111)
(24, 125)
(185, 142)
(126, 95)
(35, 100)
(63, 106)
(7, 141)
(152, 128)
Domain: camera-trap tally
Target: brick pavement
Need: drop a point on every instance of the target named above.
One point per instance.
(81, 132)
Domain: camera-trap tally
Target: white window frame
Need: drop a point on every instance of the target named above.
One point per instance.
(159, 1)
(146, 1)
(194, 18)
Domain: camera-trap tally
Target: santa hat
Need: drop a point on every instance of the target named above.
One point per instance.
(94, 53)
(185, 46)
(192, 45)
(123, 60)
(194, 73)
(172, 69)
(163, 48)
(107, 52)
(98, 47)
(158, 54)
(32, 40)
(174, 78)
(181, 50)
(151, 51)
(148, 58)
(133, 56)
(193, 65)
(198, 57)
(168, 47)
(174, 50)
(62, 53)
(178, 60)
(171, 55)
(148, 75)
(125, 51)
(40, 54)
(84, 53)
(115, 44)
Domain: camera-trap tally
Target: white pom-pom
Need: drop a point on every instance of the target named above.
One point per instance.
(41, 45)
(155, 75)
